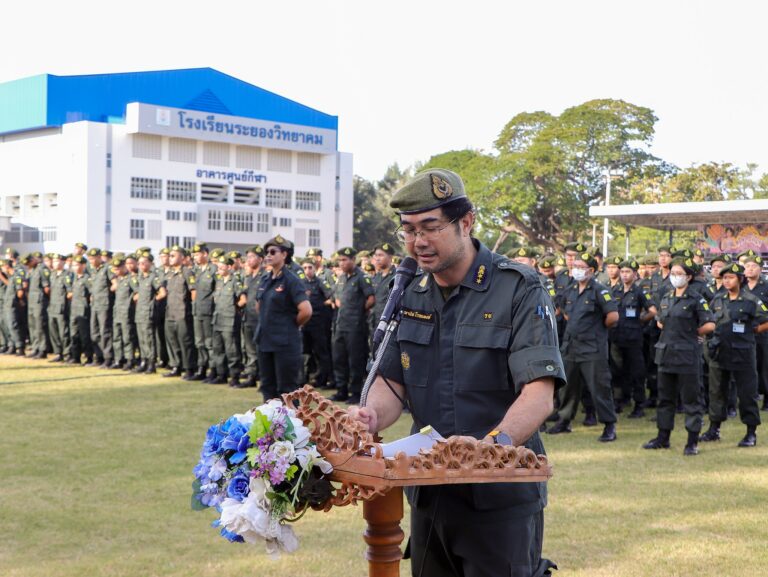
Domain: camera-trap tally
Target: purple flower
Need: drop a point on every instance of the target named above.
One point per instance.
(238, 486)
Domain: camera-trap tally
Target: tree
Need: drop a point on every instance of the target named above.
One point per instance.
(373, 218)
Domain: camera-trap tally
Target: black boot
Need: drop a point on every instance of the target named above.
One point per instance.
(609, 433)
(661, 441)
(692, 446)
(128, 366)
(637, 412)
(200, 374)
(150, 368)
(141, 367)
(174, 372)
(212, 375)
(750, 439)
(56, 359)
(712, 434)
(590, 420)
(188, 376)
(562, 426)
(341, 395)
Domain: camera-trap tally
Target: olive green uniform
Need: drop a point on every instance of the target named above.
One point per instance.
(102, 299)
(161, 341)
(148, 285)
(202, 313)
(180, 284)
(58, 313)
(80, 317)
(14, 308)
(250, 324)
(124, 327)
(37, 308)
(227, 319)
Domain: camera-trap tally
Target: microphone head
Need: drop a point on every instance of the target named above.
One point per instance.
(407, 267)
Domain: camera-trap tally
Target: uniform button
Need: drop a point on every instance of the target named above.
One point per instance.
(550, 368)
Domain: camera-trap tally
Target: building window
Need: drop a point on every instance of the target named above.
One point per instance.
(147, 188)
(172, 215)
(188, 242)
(171, 241)
(190, 216)
(182, 191)
(308, 163)
(216, 154)
(109, 160)
(307, 200)
(238, 221)
(214, 220)
(13, 206)
(213, 192)
(262, 222)
(182, 150)
(279, 160)
(248, 157)
(278, 198)
(147, 146)
(32, 204)
(247, 195)
(137, 228)
(154, 229)
(51, 200)
(314, 237)
(281, 221)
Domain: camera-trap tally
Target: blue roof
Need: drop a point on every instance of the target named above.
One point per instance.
(49, 100)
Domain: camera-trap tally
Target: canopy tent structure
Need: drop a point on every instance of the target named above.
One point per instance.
(673, 216)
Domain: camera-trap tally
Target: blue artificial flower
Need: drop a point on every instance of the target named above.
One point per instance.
(236, 433)
(238, 487)
(213, 439)
(231, 537)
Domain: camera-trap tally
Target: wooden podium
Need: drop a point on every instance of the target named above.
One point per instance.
(362, 473)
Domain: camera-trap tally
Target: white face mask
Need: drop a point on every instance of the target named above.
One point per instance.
(580, 274)
(678, 280)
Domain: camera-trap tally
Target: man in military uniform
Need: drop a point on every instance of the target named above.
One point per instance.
(354, 298)
(14, 305)
(612, 267)
(37, 305)
(180, 284)
(161, 270)
(5, 341)
(229, 297)
(732, 350)
(58, 310)
(382, 282)
(124, 286)
(79, 296)
(202, 309)
(475, 354)
(590, 311)
(753, 268)
(102, 299)
(253, 272)
(149, 293)
(317, 330)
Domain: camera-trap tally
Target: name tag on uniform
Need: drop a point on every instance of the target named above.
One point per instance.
(738, 327)
(630, 312)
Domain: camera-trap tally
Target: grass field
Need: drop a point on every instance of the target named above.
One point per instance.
(96, 474)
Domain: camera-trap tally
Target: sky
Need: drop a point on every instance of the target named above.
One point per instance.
(411, 79)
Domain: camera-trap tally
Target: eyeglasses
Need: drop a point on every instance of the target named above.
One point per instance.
(429, 233)
(274, 251)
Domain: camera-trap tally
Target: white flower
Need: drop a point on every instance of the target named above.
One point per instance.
(247, 418)
(309, 457)
(258, 491)
(283, 449)
(301, 432)
(248, 519)
(268, 409)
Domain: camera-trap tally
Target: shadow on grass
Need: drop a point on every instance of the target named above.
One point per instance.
(76, 378)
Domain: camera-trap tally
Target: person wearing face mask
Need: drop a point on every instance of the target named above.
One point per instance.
(739, 315)
(589, 311)
(684, 318)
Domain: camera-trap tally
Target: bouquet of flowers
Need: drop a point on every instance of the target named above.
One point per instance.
(260, 470)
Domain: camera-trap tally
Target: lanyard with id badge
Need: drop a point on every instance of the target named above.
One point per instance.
(738, 327)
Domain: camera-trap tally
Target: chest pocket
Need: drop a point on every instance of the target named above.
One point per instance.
(480, 357)
(414, 338)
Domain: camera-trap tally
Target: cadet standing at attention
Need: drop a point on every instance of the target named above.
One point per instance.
(124, 285)
(753, 268)
(202, 309)
(354, 298)
(315, 332)
(253, 273)
(229, 297)
(14, 306)
(180, 285)
(382, 280)
(79, 296)
(58, 310)
(37, 305)
(161, 270)
(150, 292)
(101, 309)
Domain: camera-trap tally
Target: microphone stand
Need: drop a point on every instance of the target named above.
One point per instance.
(391, 328)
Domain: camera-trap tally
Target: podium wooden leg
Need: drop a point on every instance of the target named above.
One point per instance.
(383, 534)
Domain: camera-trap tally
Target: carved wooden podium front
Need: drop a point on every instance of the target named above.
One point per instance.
(362, 473)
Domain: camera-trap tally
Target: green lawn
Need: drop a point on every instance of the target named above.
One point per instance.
(96, 474)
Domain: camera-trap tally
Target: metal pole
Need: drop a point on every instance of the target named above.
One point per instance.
(626, 243)
(605, 220)
(594, 234)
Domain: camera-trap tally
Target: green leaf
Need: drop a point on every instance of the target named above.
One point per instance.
(195, 503)
(291, 472)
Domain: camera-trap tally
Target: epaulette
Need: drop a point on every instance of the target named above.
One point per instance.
(529, 273)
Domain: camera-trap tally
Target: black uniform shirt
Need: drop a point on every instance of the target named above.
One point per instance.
(381, 284)
(735, 321)
(760, 290)
(631, 304)
(678, 349)
(251, 290)
(352, 291)
(278, 300)
(318, 291)
(586, 336)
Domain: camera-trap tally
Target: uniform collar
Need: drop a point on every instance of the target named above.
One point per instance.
(478, 277)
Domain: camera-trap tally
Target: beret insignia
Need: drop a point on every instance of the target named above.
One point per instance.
(440, 187)
(521, 252)
(279, 239)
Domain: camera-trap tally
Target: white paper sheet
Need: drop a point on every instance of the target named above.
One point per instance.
(424, 439)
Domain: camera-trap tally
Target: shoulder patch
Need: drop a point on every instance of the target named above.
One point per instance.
(367, 279)
(607, 296)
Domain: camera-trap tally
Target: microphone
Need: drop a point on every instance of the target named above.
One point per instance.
(403, 276)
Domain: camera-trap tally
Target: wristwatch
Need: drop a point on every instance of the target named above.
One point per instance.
(500, 437)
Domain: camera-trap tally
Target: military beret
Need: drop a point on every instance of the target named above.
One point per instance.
(560, 261)
(363, 253)
(49, 255)
(165, 250)
(630, 263)
(547, 261)
(117, 261)
(81, 245)
(347, 251)
(200, 247)
(142, 249)
(94, 252)
(733, 268)
(179, 249)
(224, 259)
(308, 260)
(36, 254)
(576, 247)
(755, 259)
(428, 190)
(617, 260)
(385, 247)
(234, 255)
(13, 253)
(724, 257)
(25, 259)
(255, 249)
(667, 248)
(5, 262)
(217, 252)
(369, 267)
(280, 242)
(685, 263)
(587, 258)
(119, 255)
(698, 252)
(650, 259)
(55, 256)
(79, 259)
(523, 251)
(396, 259)
(748, 252)
(146, 254)
(132, 256)
(315, 252)
(106, 253)
(683, 253)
